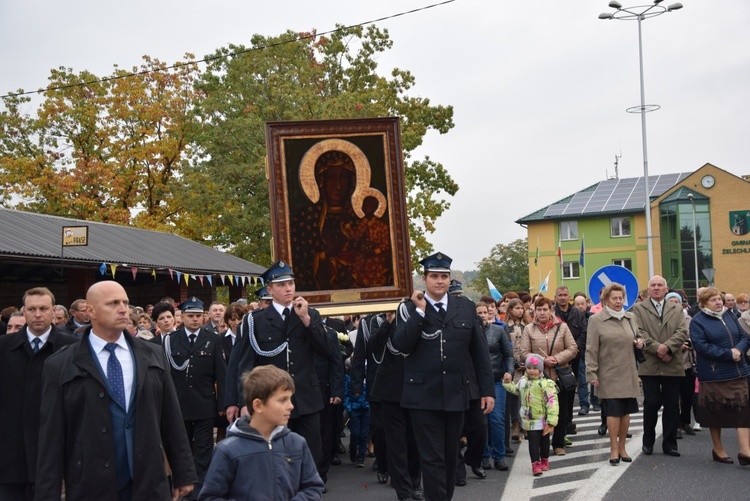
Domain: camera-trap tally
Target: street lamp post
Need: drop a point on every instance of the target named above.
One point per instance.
(695, 242)
(639, 13)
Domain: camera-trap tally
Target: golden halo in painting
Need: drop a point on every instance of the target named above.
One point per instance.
(361, 167)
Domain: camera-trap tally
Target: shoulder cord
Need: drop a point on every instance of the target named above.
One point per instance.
(388, 345)
(168, 350)
(254, 343)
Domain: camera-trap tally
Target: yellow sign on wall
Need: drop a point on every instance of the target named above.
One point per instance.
(74, 236)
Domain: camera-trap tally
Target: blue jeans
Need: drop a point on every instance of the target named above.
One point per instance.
(359, 426)
(583, 388)
(497, 425)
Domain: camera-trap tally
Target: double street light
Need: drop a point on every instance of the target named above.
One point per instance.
(640, 13)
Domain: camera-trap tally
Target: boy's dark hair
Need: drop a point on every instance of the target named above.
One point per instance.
(262, 382)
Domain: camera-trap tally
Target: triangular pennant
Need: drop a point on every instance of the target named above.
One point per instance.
(171, 271)
(231, 279)
(200, 277)
(210, 280)
(103, 268)
(153, 274)
(255, 281)
(179, 275)
(113, 267)
(222, 278)
(187, 278)
(135, 271)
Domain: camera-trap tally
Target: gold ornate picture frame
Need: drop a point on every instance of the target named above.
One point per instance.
(338, 210)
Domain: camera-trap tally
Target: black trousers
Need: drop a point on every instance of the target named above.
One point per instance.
(437, 434)
(687, 390)
(566, 399)
(538, 445)
(201, 437)
(377, 435)
(308, 426)
(661, 391)
(17, 492)
(326, 451)
(403, 462)
(475, 431)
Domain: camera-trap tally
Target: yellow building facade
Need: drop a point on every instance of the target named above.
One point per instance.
(703, 214)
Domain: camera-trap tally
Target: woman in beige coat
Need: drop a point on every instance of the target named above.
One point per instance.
(549, 337)
(610, 366)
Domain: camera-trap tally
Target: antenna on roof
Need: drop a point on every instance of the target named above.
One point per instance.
(617, 161)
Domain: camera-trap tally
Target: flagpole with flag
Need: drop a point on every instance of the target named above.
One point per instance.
(560, 258)
(536, 260)
(493, 291)
(545, 285)
(582, 261)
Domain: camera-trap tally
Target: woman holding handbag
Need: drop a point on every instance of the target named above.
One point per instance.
(549, 337)
(723, 372)
(610, 366)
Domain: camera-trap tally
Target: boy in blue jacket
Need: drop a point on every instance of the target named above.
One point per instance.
(261, 459)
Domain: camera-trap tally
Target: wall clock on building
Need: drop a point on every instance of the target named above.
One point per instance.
(708, 181)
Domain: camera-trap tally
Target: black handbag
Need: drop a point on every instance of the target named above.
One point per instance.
(566, 380)
(639, 356)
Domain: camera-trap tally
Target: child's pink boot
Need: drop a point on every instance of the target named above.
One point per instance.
(536, 468)
(544, 464)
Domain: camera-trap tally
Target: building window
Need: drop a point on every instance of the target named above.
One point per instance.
(571, 270)
(625, 263)
(674, 267)
(620, 227)
(569, 230)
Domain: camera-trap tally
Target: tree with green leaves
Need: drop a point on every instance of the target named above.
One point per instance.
(507, 267)
(108, 150)
(314, 77)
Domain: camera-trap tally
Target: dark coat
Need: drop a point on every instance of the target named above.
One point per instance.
(435, 372)
(271, 331)
(197, 385)
(75, 438)
(20, 400)
(330, 369)
(577, 325)
(713, 340)
(362, 372)
(227, 346)
(388, 384)
(501, 351)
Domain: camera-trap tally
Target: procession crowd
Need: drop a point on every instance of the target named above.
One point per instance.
(107, 400)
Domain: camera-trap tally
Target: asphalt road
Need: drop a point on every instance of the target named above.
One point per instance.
(584, 473)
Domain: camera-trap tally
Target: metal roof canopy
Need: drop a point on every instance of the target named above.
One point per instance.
(30, 235)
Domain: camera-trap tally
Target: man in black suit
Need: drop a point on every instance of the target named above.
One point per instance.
(198, 371)
(439, 333)
(365, 365)
(387, 388)
(109, 414)
(286, 334)
(22, 357)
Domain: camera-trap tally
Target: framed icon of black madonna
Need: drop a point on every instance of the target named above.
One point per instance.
(338, 209)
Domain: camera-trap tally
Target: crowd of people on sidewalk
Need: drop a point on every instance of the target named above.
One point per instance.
(107, 400)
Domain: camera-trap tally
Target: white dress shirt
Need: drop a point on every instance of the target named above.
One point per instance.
(43, 338)
(123, 355)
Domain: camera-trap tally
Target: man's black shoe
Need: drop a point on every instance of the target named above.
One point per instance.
(417, 495)
(382, 478)
(689, 430)
(485, 464)
(461, 482)
(602, 430)
(501, 465)
(509, 451)
(335, 461)
(478, 471)
(672, 452)
(583, 411)
(647, 450)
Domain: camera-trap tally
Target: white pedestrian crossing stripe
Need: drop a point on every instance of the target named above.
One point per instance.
(583, 473)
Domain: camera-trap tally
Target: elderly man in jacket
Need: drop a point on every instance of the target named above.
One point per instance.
(662, 326)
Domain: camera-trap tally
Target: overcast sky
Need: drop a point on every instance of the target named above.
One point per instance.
(539, 88)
